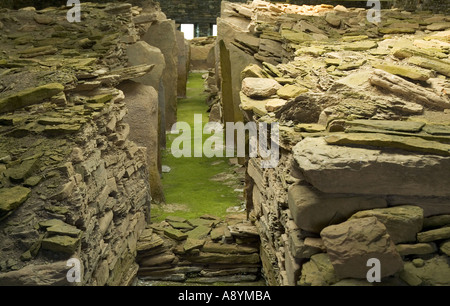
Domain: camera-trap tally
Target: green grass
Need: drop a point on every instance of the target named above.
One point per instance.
(188, 185)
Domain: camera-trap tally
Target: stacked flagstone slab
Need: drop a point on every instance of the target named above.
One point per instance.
(363, 114)
(75, 172)
(203, 250)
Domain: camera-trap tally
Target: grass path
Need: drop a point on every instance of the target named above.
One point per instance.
(196, 185)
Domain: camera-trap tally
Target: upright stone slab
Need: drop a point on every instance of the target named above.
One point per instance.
(232, 62)
(162, 35)
(183, 64)
(142, 104)
(143, 53)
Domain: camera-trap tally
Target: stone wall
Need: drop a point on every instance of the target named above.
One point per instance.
(204, 250)
(436, 6)
(78, 167)
(206, 12)
(363, 169)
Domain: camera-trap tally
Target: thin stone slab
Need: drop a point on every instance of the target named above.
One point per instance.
(433, 235)
(389, 125)
(433, 272)
(228, 248)
(217, 258)
(416, 249)
(192, 244)
(175, 234)
(200, 232)
(436, 221)
(415, 144)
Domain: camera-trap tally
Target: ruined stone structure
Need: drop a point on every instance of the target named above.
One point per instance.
(363, 122)
(81, 107)
(203, 13)
(362, 111)
(203, 250)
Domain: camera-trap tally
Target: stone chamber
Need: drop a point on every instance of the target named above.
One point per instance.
(361, 110)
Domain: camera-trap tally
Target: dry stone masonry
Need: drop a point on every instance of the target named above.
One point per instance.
(203, 250)
(363, 113)
(80, 117)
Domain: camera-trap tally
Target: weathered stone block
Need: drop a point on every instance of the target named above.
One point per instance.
(291, 91)
(49, 274)
(259, 88)
(339, 169)
(313, 210)
(12, 198)
(175, 234)
(352, 243)
(63, 244)
(402, 222)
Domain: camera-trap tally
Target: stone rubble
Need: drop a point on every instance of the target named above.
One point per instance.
(364, 147)
(204, 250)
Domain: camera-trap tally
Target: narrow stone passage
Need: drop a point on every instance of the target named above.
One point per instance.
(200, 236)
(194, 186)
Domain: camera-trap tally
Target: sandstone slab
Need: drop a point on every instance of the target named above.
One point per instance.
(60, 243)
(29, 97)
(192, 244)
(402, 222)
(53, 274)
(416, 249)
(408, 143)
(352, 243)
(291, 91)
(313, 210)
(217, 258)
(339, 169)
(175, 234)
(433, 235)
(142, 53)
(200, 232)
(12, 198)
(162, 34)
(389, 125)
(259, 88)
(406, 71)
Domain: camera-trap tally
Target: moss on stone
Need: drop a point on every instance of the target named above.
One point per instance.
(100, 99)
(29, 97)
(175, 234)
(12, 198)
(189, 185)
(60, 244)
(405, 71)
